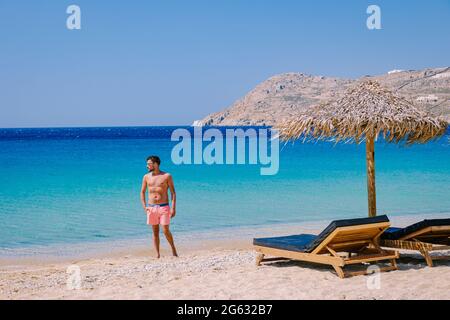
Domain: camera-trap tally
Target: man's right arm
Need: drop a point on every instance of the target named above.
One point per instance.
(143, 190)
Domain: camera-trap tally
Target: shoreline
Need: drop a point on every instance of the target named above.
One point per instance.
(186, 242)
(217, 269)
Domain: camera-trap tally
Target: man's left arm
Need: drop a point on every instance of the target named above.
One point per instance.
(173, 196)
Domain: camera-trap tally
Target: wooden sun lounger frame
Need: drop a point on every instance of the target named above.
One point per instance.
(412, 242)
(343, 239)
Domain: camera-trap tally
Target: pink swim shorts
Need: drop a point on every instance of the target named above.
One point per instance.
(158, 215)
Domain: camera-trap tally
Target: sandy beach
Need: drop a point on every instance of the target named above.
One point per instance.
(216, 270)
(219, 274)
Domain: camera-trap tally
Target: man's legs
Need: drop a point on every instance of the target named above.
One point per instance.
(156, 239)
(169, 238)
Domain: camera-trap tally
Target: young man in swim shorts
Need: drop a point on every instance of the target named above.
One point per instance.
(158, 210)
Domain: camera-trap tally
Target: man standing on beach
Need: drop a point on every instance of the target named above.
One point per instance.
(158, 209)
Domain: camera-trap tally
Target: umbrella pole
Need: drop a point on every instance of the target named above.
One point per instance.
(370, 160)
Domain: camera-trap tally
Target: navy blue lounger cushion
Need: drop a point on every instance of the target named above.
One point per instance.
(297, 242)
(397, 233)
(308, 242)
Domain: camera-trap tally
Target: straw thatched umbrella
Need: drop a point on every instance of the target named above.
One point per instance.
(362, 114)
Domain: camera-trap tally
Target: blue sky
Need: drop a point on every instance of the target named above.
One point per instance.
(169, 62)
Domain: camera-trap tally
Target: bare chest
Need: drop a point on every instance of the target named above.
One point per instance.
(157, 182)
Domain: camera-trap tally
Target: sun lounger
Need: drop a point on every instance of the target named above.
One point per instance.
(424, 236)
(342, 243)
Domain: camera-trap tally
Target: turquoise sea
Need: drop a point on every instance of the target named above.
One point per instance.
(62, 186)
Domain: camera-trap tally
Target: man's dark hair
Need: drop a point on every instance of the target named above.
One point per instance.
(154, 159)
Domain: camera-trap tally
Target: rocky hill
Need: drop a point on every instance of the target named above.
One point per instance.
(283, 95)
